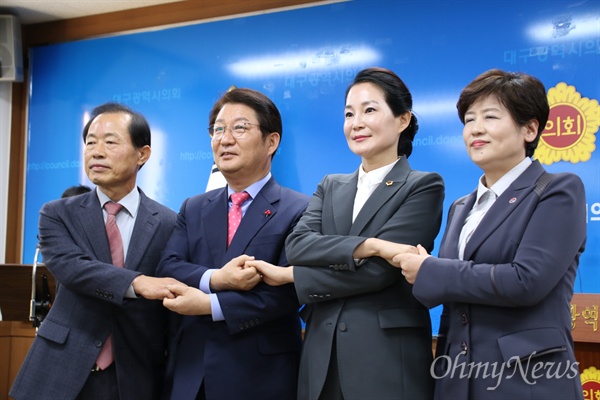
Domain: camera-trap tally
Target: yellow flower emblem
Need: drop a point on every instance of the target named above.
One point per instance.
(590, 382)
(571, 129)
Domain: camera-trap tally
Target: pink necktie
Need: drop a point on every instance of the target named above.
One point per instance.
(235, 213)
(106, 357)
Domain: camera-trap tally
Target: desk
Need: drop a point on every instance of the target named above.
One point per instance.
(16, 330)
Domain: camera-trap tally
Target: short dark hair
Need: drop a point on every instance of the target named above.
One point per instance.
(398, 98)
(266, 111)
(139, 129)
(523, 95)
(75, 190)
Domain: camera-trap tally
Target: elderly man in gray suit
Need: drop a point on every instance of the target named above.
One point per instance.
(105, 336)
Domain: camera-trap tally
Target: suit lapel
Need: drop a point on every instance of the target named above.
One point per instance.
(343, 194)
(146, 224)
(508, 202)
(461, 211)
(214, 214)
(92, 225)
(390, 185)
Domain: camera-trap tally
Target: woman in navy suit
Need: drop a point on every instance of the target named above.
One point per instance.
(508, 258)
(367, 337)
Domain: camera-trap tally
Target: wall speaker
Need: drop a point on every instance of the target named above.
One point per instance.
(11, 52)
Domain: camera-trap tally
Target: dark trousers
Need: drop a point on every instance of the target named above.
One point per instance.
(201, 393)
(101, 385)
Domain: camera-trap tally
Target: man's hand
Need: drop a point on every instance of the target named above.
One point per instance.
(272, 274)
(153, 288)
(188, 300)
(410, 263)
(235, 276)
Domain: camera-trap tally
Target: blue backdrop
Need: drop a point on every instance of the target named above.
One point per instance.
(304, 59)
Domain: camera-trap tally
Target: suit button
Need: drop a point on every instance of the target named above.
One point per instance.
(98, 343)
(463, 347)
(464, 319)
(342, 327)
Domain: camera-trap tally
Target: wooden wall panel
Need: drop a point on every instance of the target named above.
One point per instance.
(15, 341)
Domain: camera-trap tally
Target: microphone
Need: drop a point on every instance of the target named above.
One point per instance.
(38, 309)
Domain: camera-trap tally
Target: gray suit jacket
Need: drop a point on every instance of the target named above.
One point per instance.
(507, 305)
(90, 303)
(382, 334)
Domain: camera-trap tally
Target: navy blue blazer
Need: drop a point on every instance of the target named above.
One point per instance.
(507, 305)
(254, 352)
(90, 303)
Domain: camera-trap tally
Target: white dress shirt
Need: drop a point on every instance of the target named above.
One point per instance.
(484, 201)
(367, 183)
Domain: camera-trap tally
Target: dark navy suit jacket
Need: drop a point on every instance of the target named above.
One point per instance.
(254, 352)
(507, 305)
(90, 303)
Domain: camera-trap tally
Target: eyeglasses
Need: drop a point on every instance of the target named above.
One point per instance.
(238, 130)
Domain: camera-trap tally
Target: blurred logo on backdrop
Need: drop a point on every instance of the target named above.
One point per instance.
(571, 129)
(590, 382)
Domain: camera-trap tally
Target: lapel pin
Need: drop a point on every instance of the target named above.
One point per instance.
(389, 183)
(267, 213)
(512, 200)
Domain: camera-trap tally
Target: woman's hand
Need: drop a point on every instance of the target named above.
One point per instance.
(410, 263)
(374, 247)
(272, 274)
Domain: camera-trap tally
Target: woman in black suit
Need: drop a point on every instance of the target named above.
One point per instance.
(366, 336)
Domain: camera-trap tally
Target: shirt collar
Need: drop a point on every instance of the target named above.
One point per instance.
(507, 179)
(252, 189)
(376, 176)
(131, 202)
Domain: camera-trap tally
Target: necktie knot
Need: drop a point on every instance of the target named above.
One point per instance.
(239, 198)
(113, 208)
(235, 213)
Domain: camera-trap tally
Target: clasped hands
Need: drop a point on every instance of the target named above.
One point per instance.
(410, 262)
(241, 273)
(406, 257)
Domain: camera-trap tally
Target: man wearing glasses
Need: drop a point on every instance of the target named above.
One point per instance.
(239, 337)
